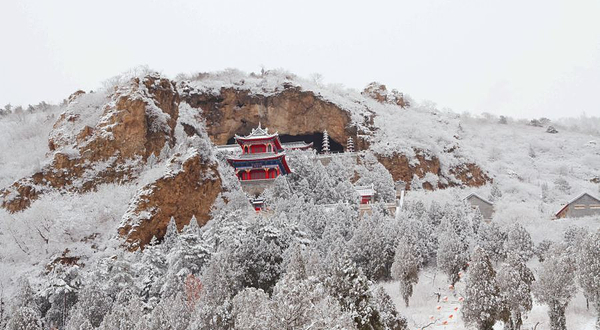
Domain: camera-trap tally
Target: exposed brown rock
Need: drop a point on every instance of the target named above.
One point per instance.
(380, 93)
(471, 175)
(64, 260)
(292, 111)
(400, 168)
(74, 96)
(190, 192)
(140, 121)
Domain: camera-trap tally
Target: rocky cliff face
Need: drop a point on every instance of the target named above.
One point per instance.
(108, 138)
(180, 194)
(102, 139)
(292, 111)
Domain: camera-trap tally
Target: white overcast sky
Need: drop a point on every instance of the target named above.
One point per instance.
(523, 58)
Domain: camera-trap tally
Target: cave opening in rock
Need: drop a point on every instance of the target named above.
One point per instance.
(315, 138)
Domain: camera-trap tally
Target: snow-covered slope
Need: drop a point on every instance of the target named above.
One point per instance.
(528, 166)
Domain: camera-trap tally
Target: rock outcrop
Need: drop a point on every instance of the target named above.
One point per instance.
(102, 139)
(402, 168)
(291, 111)
(380, 93)
(108, 137)
(181, 194)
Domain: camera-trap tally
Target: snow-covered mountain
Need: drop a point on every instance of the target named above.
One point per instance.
(106, 171)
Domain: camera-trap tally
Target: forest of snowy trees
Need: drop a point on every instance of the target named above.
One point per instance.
(303, 266)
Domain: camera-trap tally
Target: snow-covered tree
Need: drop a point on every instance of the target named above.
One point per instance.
(574, 236)
(325, 146)
(388, 314)
(372, 246)
(563, 185)
(91, 307)
(351, 288)
(495, 193)
(541, 249)
(171, 313)
(519, 242)
(125, 314)
(251, 309)
(25, 318)
(371, 171)
(482, 302)
(555, 285)
(60, 293)
(588, 272)
(151, 272)
(492, 239)
(190, 253)
(26, 313)
(171, 236)
(514, 281)
(406, 266)
(452, 254)
(298, 304)
(221, 282)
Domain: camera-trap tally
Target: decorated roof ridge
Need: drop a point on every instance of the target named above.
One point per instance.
(477, 195)
(574, 199)
(262, 155)
(296, 143)
(365, 190)
(258, 132)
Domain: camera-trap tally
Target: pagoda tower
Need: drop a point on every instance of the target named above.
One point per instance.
(262, 158)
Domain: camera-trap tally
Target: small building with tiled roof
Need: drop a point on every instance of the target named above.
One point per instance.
(485, 207)
(583, 205)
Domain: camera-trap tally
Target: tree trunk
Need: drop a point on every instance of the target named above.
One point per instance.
(558, 320)
(517, 321)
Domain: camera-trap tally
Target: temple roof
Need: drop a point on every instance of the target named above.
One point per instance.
(365, 190)
(265, 155)
(257, 134)
(296, 145)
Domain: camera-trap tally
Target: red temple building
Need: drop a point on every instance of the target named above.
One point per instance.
(263, 155)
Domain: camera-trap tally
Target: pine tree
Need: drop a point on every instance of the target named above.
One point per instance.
(325, 146)
(514, 280)
(495, 193)
(492, 239)
(452, 255)
(406, 266)
(352, 290)
(25, 318)
(251, 309)
(126, 314)
(482, 296)
(372, 246)
(91, 307)
(171, 313)
(26, 314)
(519, 242)
(171, 236)
(588, 273)
(555, 285)
(350, 145)
(153, 268)
(390, 318)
